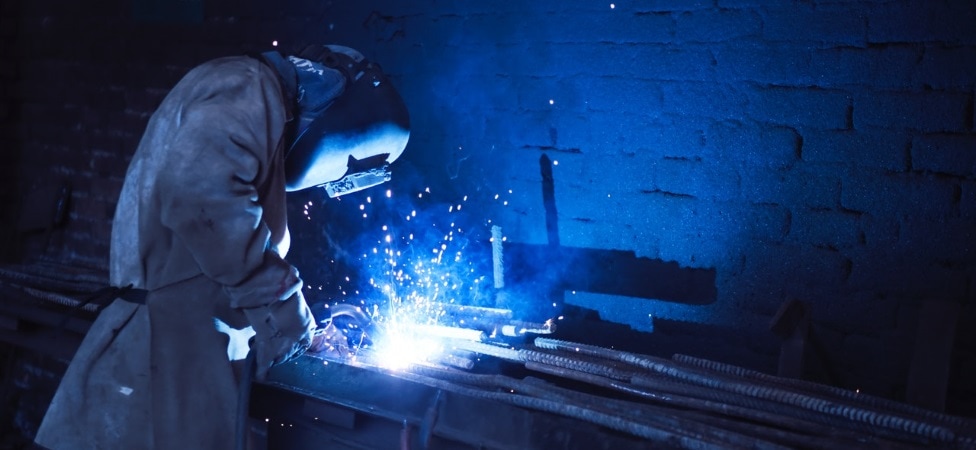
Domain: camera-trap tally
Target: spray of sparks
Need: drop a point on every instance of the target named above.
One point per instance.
(424, 279)
(429, 294)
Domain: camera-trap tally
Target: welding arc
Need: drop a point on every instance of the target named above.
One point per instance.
(855, 416)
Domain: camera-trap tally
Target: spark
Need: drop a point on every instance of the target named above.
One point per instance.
(417, 279)
(551, 101)
(274, 43)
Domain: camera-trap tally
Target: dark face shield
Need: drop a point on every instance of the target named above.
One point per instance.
(349, 146)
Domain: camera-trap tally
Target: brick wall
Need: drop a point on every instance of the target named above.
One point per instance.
(819, 150)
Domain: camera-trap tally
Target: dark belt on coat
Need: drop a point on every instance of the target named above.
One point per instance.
(132, 295)
(105, 296)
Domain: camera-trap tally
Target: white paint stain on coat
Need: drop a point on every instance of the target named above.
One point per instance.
(237, 347)
(125, 390)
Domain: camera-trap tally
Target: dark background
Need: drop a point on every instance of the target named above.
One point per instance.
(756, 151)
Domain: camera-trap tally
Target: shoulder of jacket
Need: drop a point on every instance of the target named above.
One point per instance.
(235, 76)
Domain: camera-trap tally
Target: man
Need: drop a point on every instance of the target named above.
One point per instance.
(199, 238)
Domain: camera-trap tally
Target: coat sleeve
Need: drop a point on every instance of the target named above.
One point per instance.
(209, 197)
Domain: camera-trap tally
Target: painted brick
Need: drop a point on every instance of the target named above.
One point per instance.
(867, 148)
(626, 133)
(897, 194)
(642, 97)
(691, 250)
(953, 154)
(105, 187)
(926, 111)
(846, 27)
(724, 222)
(619, 26)
(695, 178)
(950, 241)
(922, 22)
(673, 137)
(879, 233)
(799, 107)
(595, 132)
(882, 66)
(803, 186)
(144, 100)
(824, 228)
(946, 68)
(716, 25)
(899, 274)
(808, 267)
(648, 61)
(772, 63)
(531, 129)
(584, 226)
(766, 223)
(738, 4)
(967, 199)
(674, 5)
(702, 99)
(91, 209)
(776, 147)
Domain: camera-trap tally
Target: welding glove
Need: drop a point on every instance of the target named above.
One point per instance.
(329, 340)
(283, 330)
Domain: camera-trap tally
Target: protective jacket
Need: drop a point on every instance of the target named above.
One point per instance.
(200, 224)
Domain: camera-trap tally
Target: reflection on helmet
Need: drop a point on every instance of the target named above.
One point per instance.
(348, 146)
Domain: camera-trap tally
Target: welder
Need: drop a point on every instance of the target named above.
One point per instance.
(199, 239)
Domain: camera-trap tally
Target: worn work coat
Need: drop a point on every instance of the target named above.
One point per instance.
(201, 225)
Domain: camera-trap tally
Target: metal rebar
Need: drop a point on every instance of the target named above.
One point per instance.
(636, 412)
(718, 381)
(654, 434)
(714, 402)
(817, 388)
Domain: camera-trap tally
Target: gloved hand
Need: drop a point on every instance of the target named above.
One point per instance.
(329, 340)
(283, 330)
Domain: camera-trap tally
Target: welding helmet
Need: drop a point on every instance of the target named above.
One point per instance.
(346, 144)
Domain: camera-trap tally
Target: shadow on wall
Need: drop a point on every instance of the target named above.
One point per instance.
(554, 269)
